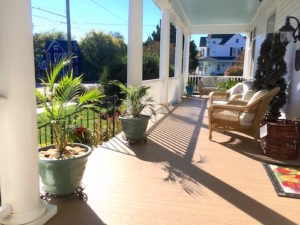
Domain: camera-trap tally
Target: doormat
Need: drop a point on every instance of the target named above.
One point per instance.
(286, 180)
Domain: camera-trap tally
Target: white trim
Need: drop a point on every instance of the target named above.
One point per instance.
(220, 28)
(152, 80)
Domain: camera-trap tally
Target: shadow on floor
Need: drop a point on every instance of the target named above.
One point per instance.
(179, 167)
(73, 211)
(252, 149)
(161, 149)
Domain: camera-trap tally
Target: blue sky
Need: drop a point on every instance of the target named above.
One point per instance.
(106, 15)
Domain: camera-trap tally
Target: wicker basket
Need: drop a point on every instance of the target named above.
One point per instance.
(282, 140)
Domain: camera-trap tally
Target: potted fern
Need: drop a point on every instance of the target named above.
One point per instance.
(62, 165)
(136, 101)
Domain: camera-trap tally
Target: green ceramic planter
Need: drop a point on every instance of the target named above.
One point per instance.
(134, 128)
(61, 177)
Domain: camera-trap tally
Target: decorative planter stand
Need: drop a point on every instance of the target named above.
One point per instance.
(282, 139)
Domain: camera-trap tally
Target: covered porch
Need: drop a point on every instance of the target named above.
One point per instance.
(179, 177)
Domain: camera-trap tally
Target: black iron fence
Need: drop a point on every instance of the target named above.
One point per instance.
(101, 119)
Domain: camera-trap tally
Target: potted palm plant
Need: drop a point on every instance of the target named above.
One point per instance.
(62, 165)
(136, 101)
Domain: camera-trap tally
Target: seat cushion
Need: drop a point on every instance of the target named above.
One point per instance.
(219, 102)
(247, 95)
(257, 95)
(236, 89)
(247, 85)
(246, 119)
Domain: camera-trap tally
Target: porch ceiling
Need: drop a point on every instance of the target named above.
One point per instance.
(212, 16)
(220, 11)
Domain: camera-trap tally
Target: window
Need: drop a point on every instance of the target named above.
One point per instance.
(48, 57)
(219, 67)
(55, 47)
(237, 41)
(56, 57)
(208, 52)
(271, 26)
(233, 52)
(75, 48)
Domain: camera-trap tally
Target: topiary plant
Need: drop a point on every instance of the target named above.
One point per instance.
(271, 72)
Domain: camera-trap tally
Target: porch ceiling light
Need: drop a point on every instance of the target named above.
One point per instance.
(288, 32)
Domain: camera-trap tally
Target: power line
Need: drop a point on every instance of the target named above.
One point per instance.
(44, 10)
(52, 21)
(110, 12)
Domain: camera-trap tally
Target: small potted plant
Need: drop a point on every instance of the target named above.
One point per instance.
(62, 165)
(190, 87)
(136, 100)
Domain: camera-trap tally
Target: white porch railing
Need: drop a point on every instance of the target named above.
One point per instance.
(197, 78)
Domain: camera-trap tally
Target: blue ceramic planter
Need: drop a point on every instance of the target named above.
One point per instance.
(189, 90)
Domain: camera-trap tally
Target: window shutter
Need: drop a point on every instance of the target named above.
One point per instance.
(231, 51)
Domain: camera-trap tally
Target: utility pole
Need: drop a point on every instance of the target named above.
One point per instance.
(69, 33)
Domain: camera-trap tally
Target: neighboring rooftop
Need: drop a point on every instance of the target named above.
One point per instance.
(224, 37)
(63, 44)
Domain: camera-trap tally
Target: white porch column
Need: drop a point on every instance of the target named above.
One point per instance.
(186, 59)
(164, 56)
(178, 61)
(247, 57)
(135, 43)
(18, 123)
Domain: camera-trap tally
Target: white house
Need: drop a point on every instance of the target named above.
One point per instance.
(218, 52)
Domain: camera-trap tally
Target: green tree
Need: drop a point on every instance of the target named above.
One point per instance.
(100, 50)
(193, 60)
(155, 36)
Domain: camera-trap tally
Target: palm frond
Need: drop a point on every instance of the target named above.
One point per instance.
(93, 96)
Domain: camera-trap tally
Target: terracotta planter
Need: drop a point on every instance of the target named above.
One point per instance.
(61, 177)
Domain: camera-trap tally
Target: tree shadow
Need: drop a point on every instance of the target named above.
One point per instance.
(178, 167)
(161, 148)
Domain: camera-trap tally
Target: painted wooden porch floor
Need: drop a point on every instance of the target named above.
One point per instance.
(178, 177)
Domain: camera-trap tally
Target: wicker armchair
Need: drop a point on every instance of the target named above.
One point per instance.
(229, 116)
(236, 92)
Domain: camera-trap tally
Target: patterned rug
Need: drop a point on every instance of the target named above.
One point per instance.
(286, 180)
